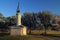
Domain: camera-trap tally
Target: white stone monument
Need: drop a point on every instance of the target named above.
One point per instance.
(19, 29)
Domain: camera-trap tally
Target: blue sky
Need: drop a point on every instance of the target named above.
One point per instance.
(8, 7)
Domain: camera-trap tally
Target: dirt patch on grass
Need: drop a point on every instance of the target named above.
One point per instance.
(37, 39)
(40, 39)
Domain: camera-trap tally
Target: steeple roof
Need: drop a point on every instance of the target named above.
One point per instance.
(18, 7)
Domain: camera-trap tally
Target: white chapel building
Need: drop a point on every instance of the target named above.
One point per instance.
(19, 29)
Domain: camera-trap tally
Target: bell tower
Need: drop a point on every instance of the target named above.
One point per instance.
(19, 29)
(18, 15)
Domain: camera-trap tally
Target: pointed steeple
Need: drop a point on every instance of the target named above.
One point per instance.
(18, 7)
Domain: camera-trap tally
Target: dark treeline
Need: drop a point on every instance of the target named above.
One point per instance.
(40, 20)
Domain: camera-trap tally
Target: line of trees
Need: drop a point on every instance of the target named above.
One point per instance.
(40, 20)
(37, 20)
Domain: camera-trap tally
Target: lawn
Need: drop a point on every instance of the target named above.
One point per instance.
(28, 37)
(54, 33)
(34, 37)
(48, 32)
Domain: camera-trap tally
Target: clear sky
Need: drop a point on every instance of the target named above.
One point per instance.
(8, 7)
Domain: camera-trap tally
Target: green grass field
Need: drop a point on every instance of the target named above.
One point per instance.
(34, 37)
(28, 37)
(48, 32)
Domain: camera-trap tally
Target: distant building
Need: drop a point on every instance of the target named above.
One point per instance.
(58, 20)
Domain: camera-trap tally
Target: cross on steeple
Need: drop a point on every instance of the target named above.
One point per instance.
(18, 7)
